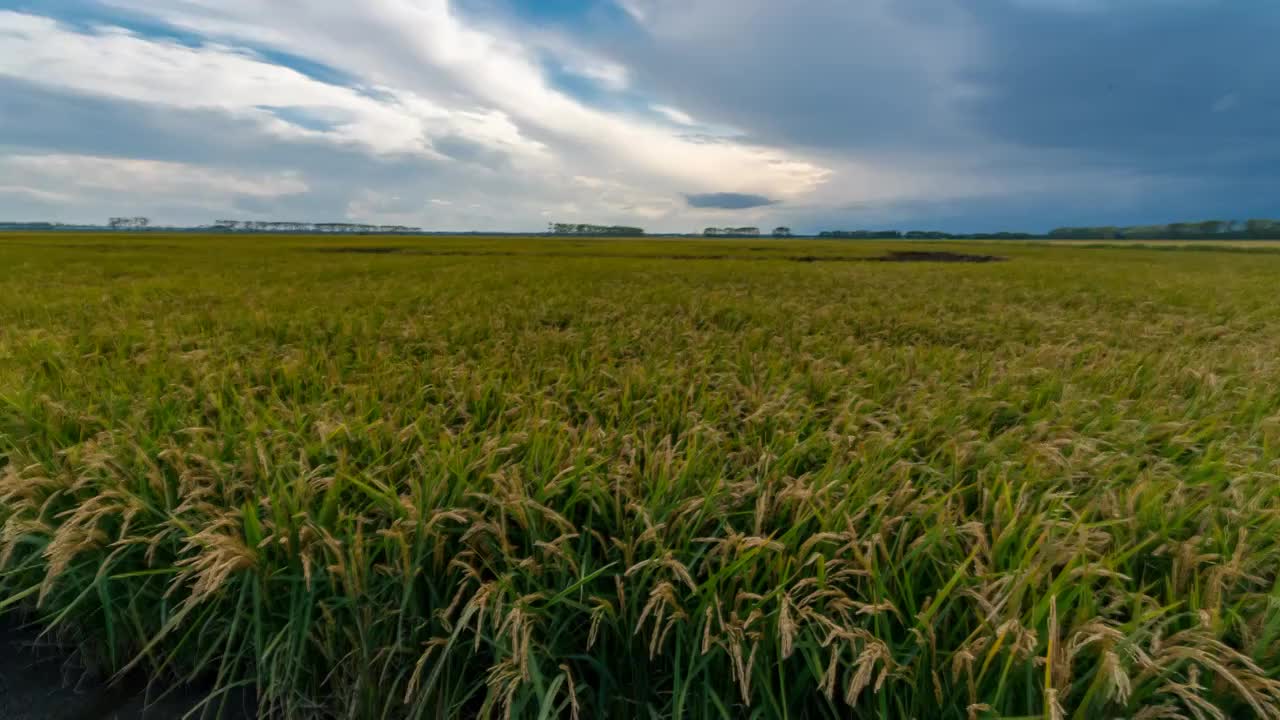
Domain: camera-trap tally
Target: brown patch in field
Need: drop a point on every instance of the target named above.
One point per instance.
(826, 258)
(937, 256)
(361, 250)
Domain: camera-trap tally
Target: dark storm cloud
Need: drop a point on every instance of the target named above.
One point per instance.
(833, 74)
(1140, 76)
(1149, 110)
(727, 201)
(1181, 87)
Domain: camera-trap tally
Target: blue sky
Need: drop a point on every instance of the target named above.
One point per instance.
(669, 114)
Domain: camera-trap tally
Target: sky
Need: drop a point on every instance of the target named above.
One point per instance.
(673, 115)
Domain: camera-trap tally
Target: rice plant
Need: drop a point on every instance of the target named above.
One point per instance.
(651, 479)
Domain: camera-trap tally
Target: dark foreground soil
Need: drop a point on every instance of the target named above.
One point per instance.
(39, 681)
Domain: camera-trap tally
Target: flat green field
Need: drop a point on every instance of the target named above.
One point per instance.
(1271, 245)
(456, 477)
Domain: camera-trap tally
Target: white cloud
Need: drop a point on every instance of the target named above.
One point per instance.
(587, 181)
(609, 75)
(421, 46)
(113, 62)
(676, 116)
(43, 196)
(384, 208)
(639, 10)
(145, 177)
(85, 188)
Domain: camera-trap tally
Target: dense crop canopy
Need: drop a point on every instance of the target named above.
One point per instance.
(545, 478)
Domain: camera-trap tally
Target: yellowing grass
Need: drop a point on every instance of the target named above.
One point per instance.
(397, 477)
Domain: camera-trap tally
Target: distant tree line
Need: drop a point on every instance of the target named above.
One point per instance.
(732, 232)
(922, 235)
(1202, 230)
(594, 230)
(258, 226)
(129, 223)
(860, 234)
(39, 225)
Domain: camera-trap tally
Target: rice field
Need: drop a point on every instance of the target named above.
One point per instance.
(1260, 245)
(534, 478)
